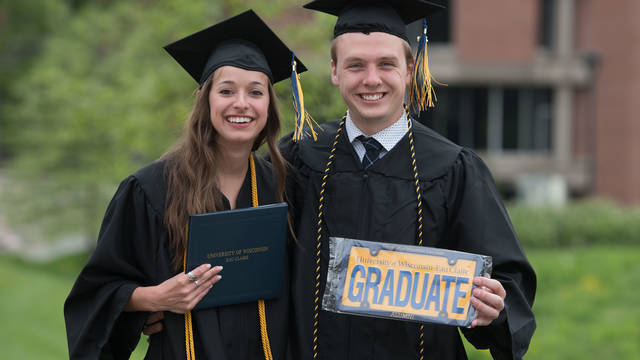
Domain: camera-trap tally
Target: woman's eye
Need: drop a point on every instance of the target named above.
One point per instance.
(225, 92)
(256, 93)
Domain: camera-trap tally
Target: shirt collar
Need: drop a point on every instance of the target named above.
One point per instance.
(387, 137)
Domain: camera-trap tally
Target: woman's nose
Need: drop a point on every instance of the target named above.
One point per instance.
(241, 101)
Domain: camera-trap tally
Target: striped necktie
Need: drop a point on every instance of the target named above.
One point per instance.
(372, 150)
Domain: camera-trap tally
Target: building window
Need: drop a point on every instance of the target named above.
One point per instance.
(493, 119)
(546, 23)
(438, 27)
(461, 115)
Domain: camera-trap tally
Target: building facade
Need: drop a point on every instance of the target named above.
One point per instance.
(542, 88)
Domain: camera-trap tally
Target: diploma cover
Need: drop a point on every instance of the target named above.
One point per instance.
(250, 244)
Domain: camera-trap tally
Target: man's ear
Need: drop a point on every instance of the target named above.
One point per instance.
(409, 71)
(334, 74)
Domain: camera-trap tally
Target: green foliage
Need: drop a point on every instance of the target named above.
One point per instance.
(102, 99)
(22, 28)
(593, 222)
(93, 108)
(23, 25)
(310, 38)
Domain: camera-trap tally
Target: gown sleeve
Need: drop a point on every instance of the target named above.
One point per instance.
(479, 223)
(124, 259)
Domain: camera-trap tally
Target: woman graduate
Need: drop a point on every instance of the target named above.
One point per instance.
(137, 267)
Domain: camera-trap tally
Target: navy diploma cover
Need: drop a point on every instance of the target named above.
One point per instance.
(250, 244)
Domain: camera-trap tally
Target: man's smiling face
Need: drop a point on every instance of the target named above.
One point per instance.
(372, 73)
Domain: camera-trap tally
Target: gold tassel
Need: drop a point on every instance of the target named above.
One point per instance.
(302, 116)
(421, 92)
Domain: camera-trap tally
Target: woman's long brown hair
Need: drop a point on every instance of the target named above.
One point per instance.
(192, 168)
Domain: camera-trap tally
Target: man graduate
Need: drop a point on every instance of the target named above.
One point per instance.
(379, 175)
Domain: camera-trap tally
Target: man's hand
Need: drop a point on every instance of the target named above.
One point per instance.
(487, 299)
(153, 325)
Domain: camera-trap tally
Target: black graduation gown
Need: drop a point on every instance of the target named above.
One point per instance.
(462, 211)
(132, 250)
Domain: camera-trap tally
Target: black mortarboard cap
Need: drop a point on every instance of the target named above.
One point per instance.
(389, 16)
(243, 41)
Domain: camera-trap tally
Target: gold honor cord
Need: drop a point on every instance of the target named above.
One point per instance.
(414, 166)
(316, 298)
(188, 326)
(266, 347)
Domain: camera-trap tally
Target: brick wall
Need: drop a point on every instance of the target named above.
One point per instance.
(495, 30)
(617, 89)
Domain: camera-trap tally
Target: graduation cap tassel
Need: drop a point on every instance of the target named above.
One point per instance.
(302, 116)
(421, 92)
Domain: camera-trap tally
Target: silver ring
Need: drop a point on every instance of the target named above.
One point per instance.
(192, 277)
(197, 283)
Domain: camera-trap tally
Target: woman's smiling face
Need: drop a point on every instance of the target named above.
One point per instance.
(239, 103)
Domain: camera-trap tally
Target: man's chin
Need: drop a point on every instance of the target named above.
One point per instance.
(372, 117)
(371, 124)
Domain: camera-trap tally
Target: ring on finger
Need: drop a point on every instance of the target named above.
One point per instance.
(197, 283)
(192, 277)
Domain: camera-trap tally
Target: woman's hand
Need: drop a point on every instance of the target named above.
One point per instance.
(488, 299)
(178, 294)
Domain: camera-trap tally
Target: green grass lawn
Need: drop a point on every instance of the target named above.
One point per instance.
(587, 304)
(586, 307)
(31, 300)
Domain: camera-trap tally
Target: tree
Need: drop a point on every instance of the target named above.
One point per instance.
(103, 99)
(23, 28)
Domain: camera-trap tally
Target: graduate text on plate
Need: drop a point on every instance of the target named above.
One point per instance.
(405, 285)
